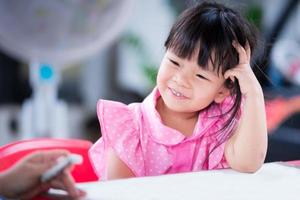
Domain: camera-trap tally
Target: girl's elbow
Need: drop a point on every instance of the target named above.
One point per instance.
(250, 168)
(251, 165)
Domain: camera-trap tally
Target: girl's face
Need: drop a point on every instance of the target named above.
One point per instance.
(185, 87)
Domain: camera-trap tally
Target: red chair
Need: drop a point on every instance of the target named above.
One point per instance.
(11, 153)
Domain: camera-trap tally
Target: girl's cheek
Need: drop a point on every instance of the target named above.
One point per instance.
(159, 77)
(161, 74)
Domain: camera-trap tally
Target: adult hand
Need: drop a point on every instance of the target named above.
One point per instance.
(23, 179)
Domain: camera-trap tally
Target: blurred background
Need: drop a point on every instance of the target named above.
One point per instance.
(58, 57)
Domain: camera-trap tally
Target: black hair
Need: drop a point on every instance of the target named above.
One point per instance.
(210, 28)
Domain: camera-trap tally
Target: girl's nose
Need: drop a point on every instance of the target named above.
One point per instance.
(182, 78)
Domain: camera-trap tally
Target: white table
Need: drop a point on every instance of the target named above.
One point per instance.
(272, 181)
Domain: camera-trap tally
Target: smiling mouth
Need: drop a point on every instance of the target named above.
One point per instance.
(177, 94)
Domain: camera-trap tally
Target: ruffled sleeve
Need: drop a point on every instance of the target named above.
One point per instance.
(120, 131)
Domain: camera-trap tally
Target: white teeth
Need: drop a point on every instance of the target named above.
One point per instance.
(176, 93)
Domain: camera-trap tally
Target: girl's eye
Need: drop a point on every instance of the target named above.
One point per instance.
(174, 62)
(201, 77)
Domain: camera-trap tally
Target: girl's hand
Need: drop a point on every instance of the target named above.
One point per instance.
(23, 179)
(249, 85)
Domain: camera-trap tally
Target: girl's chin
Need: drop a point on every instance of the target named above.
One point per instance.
(177, 107)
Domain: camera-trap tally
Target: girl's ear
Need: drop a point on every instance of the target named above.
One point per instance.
(222, 94)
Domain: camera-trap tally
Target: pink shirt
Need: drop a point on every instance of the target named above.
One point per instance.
(148, 147)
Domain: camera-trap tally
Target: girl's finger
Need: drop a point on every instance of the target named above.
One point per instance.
(227, 74)
(241, 51)
(231, 74)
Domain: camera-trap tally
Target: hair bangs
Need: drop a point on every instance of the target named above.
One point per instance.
(216, 48)
(183, 43)
(205, 34)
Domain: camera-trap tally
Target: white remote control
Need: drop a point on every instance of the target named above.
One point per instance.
(62, 163)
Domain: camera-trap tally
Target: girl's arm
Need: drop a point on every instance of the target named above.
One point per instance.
(245, 151)
(115, 167)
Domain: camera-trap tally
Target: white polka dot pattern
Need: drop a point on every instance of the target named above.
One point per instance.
(148, 147)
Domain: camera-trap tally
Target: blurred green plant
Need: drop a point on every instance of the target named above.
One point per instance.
(254, 14)
(134, 42)
(151, 72)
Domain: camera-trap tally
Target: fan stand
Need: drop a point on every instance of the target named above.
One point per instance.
(44, 115)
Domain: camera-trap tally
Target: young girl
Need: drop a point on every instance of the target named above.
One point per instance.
(194, 119)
